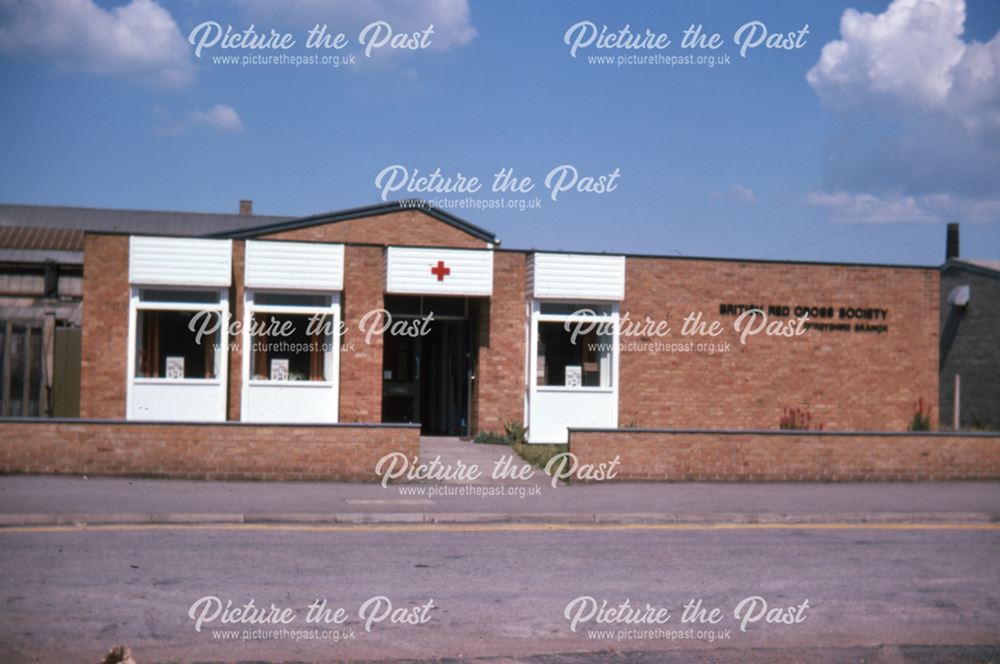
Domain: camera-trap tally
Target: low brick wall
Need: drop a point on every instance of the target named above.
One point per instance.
(773, 456)
(226, 451)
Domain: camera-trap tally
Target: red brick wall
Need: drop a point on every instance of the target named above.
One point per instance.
(402, 228)
(361, 362)
(103, 366)
(799, 456)
(105, 331)
(201, 451)
(848, 381)
(498, 394)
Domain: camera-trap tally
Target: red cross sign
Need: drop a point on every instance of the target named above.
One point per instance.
(440, 271)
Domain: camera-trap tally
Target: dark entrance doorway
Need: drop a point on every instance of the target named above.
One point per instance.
(427, 378)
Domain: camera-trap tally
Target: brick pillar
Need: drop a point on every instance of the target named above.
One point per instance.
(499, 390)
(104, 343)
(360, 362)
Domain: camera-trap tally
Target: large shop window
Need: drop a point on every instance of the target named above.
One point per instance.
(293, 336)
(576, 345)
(177, 334)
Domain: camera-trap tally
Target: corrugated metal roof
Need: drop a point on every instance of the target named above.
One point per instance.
(130, 221)
(26, 237)
(40, 256)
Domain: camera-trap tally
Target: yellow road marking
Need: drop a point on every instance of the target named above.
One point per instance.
(495, 527)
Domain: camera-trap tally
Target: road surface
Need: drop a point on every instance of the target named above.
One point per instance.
(882, 593)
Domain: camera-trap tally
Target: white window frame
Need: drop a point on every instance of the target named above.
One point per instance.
(551, 408)
(221, 356)
(331, 361)
(538, 317)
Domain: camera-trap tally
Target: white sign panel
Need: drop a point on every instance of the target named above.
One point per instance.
(577, 276)
(423, 271)
(295, 265)
(176, 261)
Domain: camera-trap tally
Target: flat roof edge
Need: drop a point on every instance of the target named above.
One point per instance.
(510, 250)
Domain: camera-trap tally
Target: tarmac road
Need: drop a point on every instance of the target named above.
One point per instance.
(876, 593)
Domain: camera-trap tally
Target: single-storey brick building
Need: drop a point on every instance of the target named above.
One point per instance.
(283, 322)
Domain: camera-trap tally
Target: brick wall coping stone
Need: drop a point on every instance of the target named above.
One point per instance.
(796, 432)
(229, 423)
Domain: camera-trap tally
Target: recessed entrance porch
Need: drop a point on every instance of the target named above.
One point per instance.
(427, 377)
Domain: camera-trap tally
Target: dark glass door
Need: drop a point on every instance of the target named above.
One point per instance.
(444, 379)
(426, 379)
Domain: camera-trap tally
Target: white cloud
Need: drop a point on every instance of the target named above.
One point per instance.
(870, 209)
(888, 209)
(907, 52)
(451, 18)
(220, 118)
(744, 194)
(139, 39)
(918, 111)
(737, 192)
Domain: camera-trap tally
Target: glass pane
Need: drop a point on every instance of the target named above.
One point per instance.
(168, 344)
(416, 305)
(444, 306)
(402, 305)
(292, 299)
(580, 308)
(291, 346)
(176, 295)
(561, 362)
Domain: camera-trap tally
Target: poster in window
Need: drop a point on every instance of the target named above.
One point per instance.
(279, 369)
(175, 366)
(574, 375)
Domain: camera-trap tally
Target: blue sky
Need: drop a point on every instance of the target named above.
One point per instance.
(864, 161)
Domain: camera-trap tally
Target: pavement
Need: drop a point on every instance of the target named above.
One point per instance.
(60, 500)
(894, 572)
(452, 451)
(49, 500)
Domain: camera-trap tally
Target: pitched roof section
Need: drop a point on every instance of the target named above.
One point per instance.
(149, 222)
(983, 263)
(27, 237)
(984, 267)
(357, 213)
(38, 245)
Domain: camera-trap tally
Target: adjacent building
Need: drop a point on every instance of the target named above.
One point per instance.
(970, 340)
(41, 288)
(41, 284)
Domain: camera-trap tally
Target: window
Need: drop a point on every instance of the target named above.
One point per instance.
(292, 300)
(419, 305)
(293, 336)
(574, 308)
(575, 345)
(177, 334)
(166, 295)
